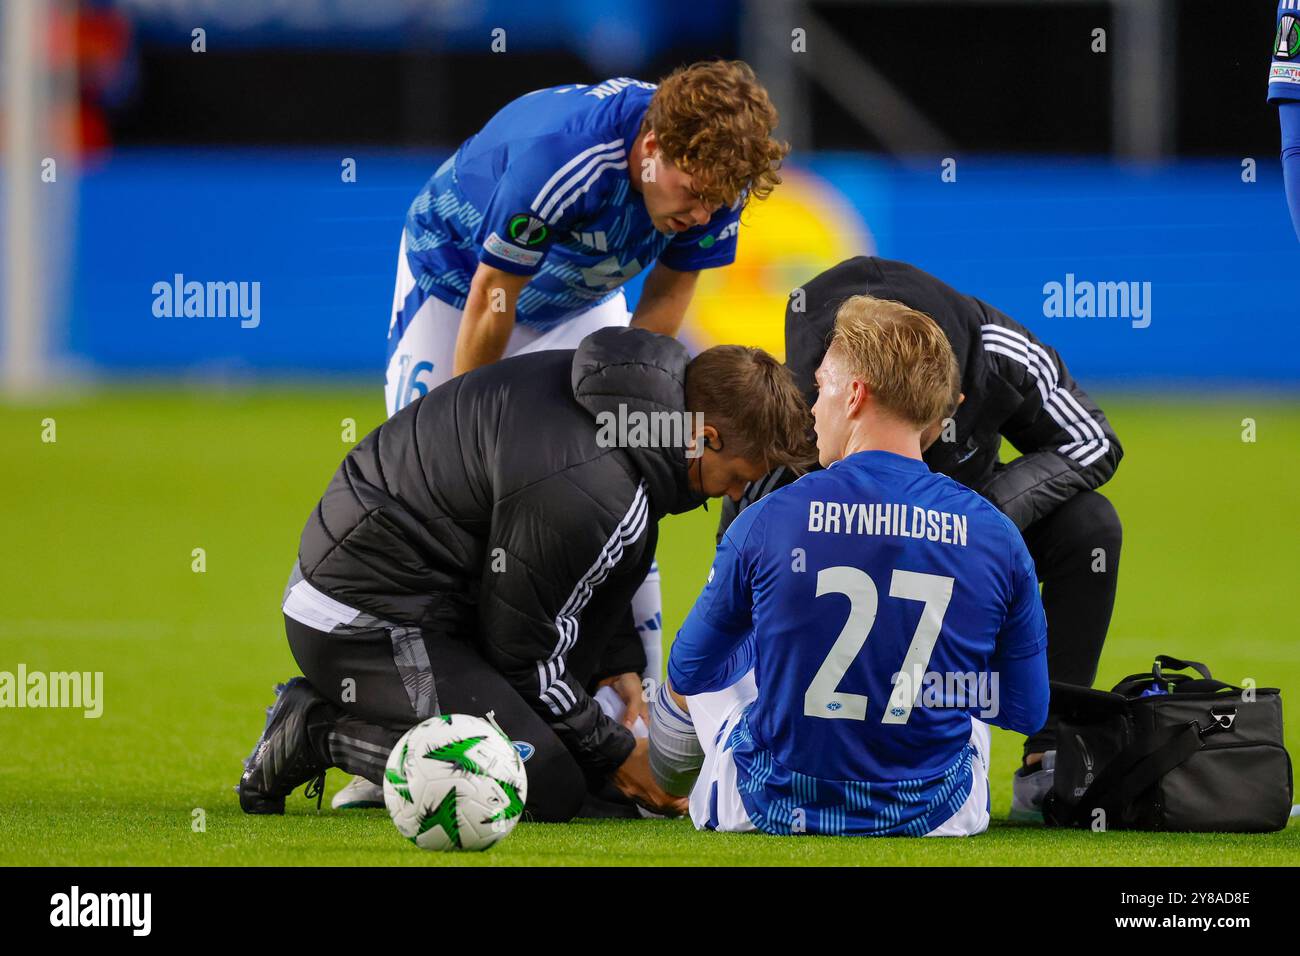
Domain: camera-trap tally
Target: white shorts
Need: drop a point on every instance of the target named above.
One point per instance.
(715, 716)
(422, 357)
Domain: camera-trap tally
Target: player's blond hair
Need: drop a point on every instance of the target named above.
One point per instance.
(714, 120)
(902, 354)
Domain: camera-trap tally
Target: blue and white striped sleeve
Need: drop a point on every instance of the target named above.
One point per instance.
(545, 186)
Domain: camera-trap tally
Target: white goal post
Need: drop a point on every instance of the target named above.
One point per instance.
(23, 33)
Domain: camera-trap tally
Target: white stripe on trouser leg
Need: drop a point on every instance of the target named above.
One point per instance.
(318, 610)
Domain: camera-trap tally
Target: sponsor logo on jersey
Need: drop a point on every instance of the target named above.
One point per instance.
(1284, 73)
(524, 749)
(609, 274)
(730, 230)
(1288, 38)
(593, 240)
(527, 230)
(510, 252)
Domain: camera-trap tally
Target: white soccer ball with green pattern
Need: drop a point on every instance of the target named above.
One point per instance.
(455, 783)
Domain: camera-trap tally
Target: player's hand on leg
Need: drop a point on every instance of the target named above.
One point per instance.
(635, 780)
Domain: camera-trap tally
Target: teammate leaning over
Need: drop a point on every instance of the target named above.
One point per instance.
(857, 621)
(1018, 388)
(479, 550)
(522, 240)
(1284, 90)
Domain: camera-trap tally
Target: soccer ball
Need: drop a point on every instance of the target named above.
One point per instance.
(455, 782)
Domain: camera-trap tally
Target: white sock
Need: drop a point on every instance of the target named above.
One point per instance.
(675, 752)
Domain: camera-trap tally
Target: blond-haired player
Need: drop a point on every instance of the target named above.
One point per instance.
(859, 626)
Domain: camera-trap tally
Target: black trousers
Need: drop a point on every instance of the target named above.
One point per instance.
(356, 669)
(1076, 551)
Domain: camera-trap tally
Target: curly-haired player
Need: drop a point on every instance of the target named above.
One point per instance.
(523, 239)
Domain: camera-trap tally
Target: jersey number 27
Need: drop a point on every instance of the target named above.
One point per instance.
(823, 698)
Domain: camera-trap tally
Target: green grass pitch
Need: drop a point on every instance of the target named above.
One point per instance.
(100, 526)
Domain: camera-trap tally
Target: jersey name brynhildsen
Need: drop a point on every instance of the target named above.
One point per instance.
(885, 518)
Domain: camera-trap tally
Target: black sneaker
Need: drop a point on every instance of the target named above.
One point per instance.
(283, 758)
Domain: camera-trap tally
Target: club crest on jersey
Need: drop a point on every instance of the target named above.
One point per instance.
(527, 230)
(1288, 38)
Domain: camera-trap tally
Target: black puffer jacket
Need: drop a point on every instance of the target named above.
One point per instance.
(1016, 388)
(488, 508)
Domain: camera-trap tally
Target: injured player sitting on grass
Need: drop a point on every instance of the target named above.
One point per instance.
(795, 699)
(478, 552)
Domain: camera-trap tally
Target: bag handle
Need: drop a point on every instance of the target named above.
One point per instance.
(1178, 664)
(1139, 766)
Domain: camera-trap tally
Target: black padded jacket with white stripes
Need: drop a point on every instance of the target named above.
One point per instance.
(1016, 387)
(492, 509)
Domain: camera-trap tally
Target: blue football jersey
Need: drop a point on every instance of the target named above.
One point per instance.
(544, 190)
(1284, 71)
(881, 606)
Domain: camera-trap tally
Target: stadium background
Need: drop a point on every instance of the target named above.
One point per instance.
(1154, 161)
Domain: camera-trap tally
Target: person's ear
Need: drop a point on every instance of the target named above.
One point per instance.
(706, 437)
(858, 392)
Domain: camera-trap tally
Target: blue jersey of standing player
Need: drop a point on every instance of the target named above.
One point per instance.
(1284, 90)
(876, 601)
(544, 190)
